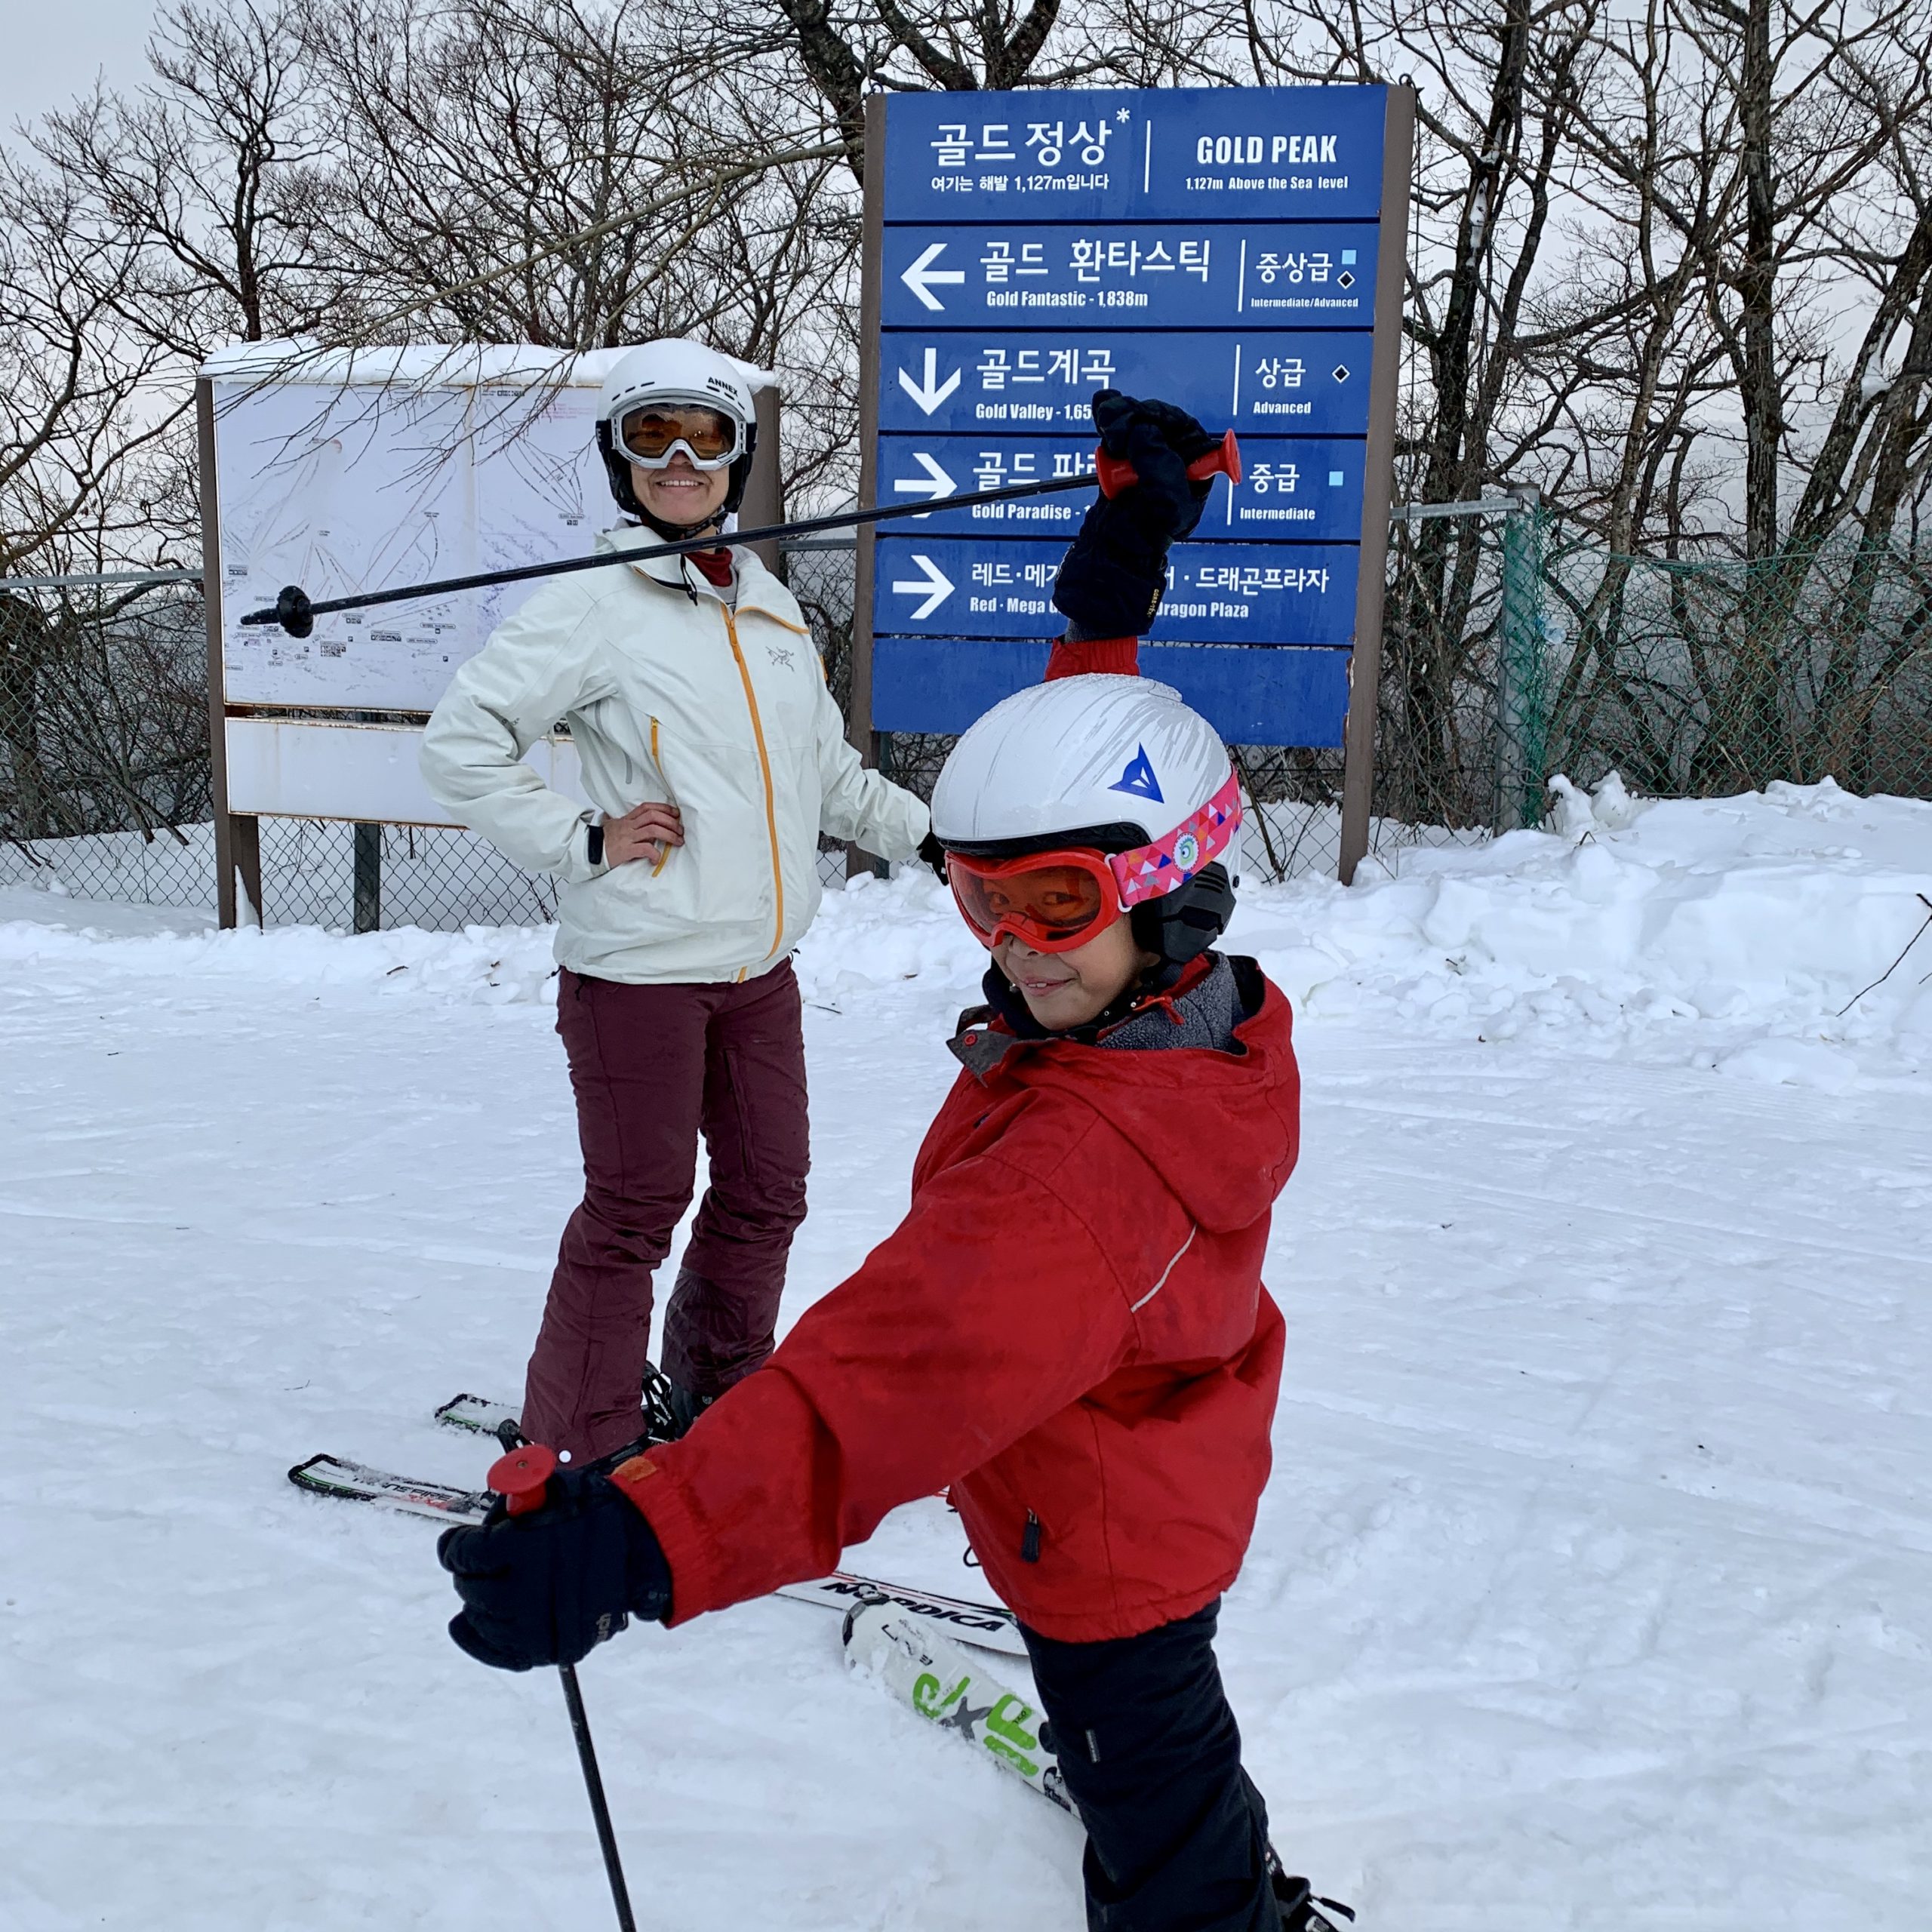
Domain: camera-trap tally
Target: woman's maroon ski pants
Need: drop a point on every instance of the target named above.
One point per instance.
(653, 1067)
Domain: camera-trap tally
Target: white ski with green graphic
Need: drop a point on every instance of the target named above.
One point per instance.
(951, 1687)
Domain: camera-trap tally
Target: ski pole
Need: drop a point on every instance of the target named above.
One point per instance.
(519, 1478)
(295, 612)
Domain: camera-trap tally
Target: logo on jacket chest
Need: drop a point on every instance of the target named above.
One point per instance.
(779, 654)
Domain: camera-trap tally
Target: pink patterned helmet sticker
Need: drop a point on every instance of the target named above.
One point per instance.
(1149, 872)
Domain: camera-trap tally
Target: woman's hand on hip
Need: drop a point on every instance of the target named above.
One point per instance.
(647, 831)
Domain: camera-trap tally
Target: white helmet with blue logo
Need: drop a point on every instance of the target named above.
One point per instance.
(1089, 755)
(1113, 764)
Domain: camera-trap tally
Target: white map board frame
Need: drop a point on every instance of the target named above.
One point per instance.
(290, 768)
(344, 472)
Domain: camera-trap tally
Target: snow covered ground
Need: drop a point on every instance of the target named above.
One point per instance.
(1593, 1589)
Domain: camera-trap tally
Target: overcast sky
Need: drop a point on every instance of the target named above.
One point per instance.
(56, 47)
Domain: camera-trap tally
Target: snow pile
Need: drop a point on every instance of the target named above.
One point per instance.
(1748, 931)
(492, 964)
(1743, 933)
(886, 932)
(1746, 934)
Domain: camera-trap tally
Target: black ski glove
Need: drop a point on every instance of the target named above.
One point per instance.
(546, 1586)
(933, 852)
(1115, 569)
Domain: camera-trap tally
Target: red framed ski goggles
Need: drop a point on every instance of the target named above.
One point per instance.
(652, 431)
(1056, 900)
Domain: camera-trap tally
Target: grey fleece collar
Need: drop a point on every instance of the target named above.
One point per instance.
(1205, 1016)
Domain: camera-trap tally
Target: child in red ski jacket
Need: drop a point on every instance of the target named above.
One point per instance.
(1069, 1327)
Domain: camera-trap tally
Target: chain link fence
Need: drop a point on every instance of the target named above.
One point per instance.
(1515, 648)
(104, 778)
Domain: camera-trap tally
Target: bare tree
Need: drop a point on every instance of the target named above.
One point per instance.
(209, 174)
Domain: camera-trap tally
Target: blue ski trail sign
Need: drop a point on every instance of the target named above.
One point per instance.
(1308, 487)
(1256, 382)
(1197, 274)
(1238, 251)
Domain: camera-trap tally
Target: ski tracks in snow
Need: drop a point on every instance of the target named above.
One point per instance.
(1599, 1552)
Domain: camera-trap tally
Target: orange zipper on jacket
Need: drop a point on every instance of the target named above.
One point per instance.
(765, 765)
(657, 759)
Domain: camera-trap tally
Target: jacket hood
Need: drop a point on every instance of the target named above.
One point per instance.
(1222, 1129)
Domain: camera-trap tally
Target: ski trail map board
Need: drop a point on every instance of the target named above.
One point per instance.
(1238, 251)
(396, 467)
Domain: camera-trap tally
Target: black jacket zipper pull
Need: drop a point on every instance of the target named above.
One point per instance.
(1029, 1542)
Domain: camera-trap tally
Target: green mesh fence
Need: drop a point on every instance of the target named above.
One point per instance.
(1517, 647)
(1699, 678)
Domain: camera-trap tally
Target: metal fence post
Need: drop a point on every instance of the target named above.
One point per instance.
(368, 876)
(1522, 695)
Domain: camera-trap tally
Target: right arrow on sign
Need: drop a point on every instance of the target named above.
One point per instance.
(929, 392)
(920, 276)
(934, 484)
(935, 587)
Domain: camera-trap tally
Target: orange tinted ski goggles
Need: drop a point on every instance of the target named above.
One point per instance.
(1055, 901)
(650, 433)
(1052, 900)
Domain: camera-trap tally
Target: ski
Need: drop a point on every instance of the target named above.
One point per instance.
(986, 1626)
(357, 1482)
(479, 1414)
(920, 1665)
(484, 1415)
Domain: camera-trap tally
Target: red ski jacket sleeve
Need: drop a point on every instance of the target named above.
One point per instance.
(992, 1307)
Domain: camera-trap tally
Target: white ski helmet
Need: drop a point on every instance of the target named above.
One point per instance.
(1112, 765)
(676, 370)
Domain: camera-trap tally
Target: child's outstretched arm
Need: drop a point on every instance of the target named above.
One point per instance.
(991, 1308)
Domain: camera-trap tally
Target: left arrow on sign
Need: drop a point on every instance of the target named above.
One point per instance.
(934, 484)
(920, 276)
(934, 586)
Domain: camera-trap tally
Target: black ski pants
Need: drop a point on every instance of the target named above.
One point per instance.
(1177, 1836)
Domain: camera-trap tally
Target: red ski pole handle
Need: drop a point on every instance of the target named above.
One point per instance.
(1116, 474)
(521, 1477)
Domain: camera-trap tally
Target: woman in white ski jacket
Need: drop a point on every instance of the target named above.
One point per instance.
(715, 754)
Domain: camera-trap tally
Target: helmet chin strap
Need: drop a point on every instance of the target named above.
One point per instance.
(672, 533)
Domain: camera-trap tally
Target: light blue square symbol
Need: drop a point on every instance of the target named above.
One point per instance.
(1334, 479)
(1348, 258)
